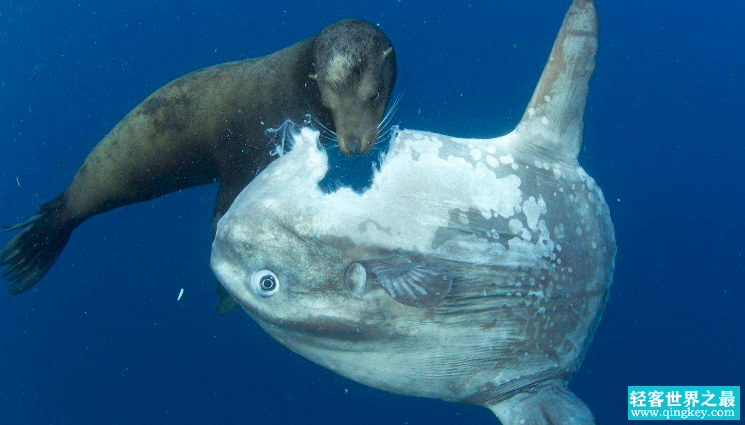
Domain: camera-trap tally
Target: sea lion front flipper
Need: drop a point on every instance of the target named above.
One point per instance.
(548, 403)
(226, 302)
(230, 187)
(416, 284)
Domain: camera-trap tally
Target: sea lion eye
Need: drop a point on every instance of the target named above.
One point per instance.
(265, 283)
(374, 97)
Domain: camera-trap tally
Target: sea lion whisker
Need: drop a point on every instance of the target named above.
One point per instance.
(388, 127)
(321, 126)
(325, 134)
(385, 135)
(391, 111)
(394, 106)
(315, 119)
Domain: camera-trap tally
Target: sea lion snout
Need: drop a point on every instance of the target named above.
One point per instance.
(353, 144)
(356, 125)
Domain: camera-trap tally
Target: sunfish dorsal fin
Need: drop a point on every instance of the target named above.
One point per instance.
(552, 123)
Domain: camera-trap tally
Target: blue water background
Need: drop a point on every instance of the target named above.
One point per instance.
(102, 339)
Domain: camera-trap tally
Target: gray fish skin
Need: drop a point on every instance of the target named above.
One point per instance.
(515, 223)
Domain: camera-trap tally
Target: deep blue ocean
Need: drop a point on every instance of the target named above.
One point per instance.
(103, 340)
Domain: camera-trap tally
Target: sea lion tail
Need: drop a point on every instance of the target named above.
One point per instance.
(549, 403)
(38, 244)
(553, 121)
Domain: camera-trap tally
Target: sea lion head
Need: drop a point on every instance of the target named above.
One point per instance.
(355, 68)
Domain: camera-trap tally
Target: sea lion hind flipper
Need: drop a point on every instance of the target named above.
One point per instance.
(548, 403)
(20, 225)
(31, 253)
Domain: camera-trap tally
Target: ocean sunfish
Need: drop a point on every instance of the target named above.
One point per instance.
(473, 271)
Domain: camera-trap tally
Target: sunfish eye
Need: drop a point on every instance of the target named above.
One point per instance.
(268, 283)
(265, 283)
(374, 97)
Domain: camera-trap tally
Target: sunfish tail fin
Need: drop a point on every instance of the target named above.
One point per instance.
(549, 403)
(553, 121)
(32, 252)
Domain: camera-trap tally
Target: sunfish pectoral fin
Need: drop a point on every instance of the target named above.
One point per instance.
(416, 284)
(553, 121)
(550, 402)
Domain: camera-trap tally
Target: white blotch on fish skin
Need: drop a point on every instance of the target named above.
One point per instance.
(424, 145)
(506, 159)
(476, 154)
(547, 98)
(533, 209)
(501, 203)
(417, 135)
(463, 218)
(531, 112)
(538, 294)
(493, 162)
(517, 228)
(579, 231)
(544, 120)
(491, 149)
(594, 245)
(559, 231)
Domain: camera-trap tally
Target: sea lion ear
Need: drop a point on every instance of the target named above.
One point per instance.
(388, 52)
(416, 284)
(313, 76)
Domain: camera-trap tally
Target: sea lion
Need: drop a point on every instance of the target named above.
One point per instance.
(209, 126)
(472, 270)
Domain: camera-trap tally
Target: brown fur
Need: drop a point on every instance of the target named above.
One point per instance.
(205, 127)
